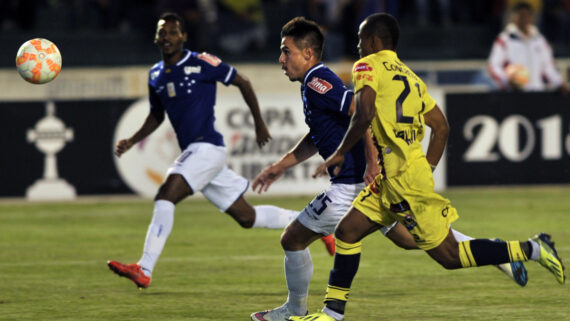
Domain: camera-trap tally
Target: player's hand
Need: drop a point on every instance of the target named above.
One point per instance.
(262, 135)
(372, 170)
(267, 176)
(122, 146)
(334, 160)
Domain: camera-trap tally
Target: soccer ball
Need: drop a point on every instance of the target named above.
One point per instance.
(38, 61)
(517, 75)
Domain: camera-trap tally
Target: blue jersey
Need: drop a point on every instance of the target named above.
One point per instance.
(326, 103)
(187, 92)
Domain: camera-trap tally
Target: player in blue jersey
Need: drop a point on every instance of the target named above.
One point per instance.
(183, 85)
(328, 106)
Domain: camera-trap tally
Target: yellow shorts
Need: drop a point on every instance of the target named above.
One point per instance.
(409, 199)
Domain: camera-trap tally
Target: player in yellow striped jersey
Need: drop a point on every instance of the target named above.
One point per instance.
(394, 103)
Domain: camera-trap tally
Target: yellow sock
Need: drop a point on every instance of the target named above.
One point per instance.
(515, 251)
(347, 248)
(346, 263)
(465, 254)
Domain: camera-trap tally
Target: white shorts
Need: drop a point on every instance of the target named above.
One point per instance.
(324, 212)
(203, 166)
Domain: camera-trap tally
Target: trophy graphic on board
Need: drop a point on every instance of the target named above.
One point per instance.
(50, 136)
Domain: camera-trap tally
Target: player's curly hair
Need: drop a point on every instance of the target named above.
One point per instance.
(171, 16)
(383, 26)
(305, 33)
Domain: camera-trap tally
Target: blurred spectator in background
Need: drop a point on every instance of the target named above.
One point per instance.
(199, 16)
(430, 12)
(17, 14)
(556, 21)
(242, 25)
(521, 58)
(107, 14)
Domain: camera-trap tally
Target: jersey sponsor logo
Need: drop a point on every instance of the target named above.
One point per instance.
(320, 85)
(362, 67)
(365, 77)
(171, 89)
(192, 70)
(211, 59)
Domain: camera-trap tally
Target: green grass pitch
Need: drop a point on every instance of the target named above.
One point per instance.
(53, 264)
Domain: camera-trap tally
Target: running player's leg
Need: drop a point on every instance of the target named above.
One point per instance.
(402, 238)
(317, 219)
(260, 216)
(479, 252)
(353, 227)
(298, 273)
(171, 192)
(515, 270)
(196, 166)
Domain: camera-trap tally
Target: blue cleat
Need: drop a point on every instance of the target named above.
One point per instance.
(515, 270)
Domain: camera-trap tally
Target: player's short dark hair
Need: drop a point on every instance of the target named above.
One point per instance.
(522, 6)
(383, 26)
(171, 16)
(305, 34)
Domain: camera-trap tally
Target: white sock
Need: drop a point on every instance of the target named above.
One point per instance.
(298, 273)
(460, 237)
(333, 314)
(157, 234)
(273, 217)
(535, 253)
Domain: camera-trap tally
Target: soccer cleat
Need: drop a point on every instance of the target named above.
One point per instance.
(549, 257)
(281, 313)
(131, 271)
(319, 316)
(515, 270)
(329, 243)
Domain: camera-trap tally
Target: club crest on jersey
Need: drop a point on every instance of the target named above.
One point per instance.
(211, 59)
(192, 69)
(362, 67)
(319, 85)
(154, 74)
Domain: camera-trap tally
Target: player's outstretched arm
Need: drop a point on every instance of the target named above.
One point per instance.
(151, 123)
(359, 122)
(303, 150)
(436, 120)
(261, 131)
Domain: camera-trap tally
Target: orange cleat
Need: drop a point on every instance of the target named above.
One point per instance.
(329, 243)
(131, 271)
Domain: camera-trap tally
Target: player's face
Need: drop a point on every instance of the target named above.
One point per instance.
(169, 37)
(523, 19)
(292, 60)
(364, 43)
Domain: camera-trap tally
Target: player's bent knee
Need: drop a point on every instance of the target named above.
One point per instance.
(288, 241)
(245, 222)
(345, 235)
